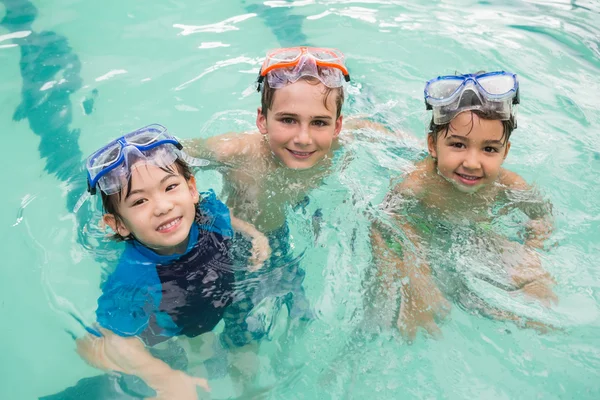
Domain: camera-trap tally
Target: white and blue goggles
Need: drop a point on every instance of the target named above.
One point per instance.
(107, 166)
(450, 95)
(110, 166)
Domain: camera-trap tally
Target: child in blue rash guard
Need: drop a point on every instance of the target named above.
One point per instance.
(175, 276)
(447, 204)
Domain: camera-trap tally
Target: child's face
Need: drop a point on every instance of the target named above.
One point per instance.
(299, 128)
(159, 209)
(471, 155)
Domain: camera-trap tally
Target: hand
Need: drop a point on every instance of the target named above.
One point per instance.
(109, 352)
(420, 305)
(179, 386)
(261, 251)
(95, 352)
(532, 279)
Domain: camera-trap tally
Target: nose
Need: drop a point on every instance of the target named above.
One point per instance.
(471, 160)
(303, 138)
(162, 205)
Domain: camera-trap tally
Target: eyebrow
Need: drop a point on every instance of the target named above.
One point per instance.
(287, 114)
(485, 142)
(456, 137)
(496, 142)
(165, 178)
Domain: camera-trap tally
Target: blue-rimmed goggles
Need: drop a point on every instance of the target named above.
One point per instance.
(109, 166)
(495, 92)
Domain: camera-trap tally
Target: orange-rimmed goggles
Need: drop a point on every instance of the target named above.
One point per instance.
(287, 65)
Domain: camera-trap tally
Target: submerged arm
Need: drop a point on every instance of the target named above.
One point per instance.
(129, 355)
(221, 148)
(260, 243)
(530, 202)
(529, 275)
(405, 266)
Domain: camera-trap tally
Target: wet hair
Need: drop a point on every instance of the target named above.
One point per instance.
(110, 202)
(507, 125)
(268, 93)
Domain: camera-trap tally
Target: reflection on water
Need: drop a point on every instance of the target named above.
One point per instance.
(350, 348)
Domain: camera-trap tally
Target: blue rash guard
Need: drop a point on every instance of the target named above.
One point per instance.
(155, 296)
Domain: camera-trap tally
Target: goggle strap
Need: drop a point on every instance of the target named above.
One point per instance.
(517, 98)
(84, 197)
(260, 80)
(193, 161)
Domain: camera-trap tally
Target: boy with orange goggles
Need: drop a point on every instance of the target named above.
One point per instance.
(276, 167)
(284, 66)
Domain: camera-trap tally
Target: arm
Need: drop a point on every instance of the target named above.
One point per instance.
(129, 355)
(528, 200)
(421, 300)
(129, 298)
(529, 275)
(354, 123)
(221, 148)
(260, 243)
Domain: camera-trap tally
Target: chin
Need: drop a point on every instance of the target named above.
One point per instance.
(466, 189)
(299, 165)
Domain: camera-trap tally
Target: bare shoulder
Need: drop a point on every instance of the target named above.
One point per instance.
(413, 184)
(512, 180)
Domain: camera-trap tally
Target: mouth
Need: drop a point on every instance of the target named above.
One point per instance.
(300, 154)
(469, 180)
(169, 226)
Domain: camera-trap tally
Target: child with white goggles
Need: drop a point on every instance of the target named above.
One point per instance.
(449, 207)
(450, 95)
(283, 66)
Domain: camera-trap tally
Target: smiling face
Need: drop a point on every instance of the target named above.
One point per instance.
(158, 208)
(470, 156)
(301, 124)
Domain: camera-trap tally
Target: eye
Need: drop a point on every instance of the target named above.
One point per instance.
(320, 123)
(490, 149)
(171, 187)
(458, 145)
(138, 202)
(287, 120)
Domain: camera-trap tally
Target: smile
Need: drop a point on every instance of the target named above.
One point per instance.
(301, 154)
(468, 179)
(169, 226)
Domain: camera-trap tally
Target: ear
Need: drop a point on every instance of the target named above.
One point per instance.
(193, 189)
(338, 126)
(431, 146)
(506, 151)
(116, 225)
(261, 121)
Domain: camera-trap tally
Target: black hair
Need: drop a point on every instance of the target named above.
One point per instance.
(508, 125)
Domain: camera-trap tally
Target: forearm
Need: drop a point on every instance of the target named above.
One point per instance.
(126, 355)
(198, 148)
(406, 269)
(243, 227)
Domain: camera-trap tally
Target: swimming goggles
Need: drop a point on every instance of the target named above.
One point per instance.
(450, 95)
(287, 65)
(109, 167)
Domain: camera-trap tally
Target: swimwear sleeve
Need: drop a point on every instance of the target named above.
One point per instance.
(127, 301)
(218, 213)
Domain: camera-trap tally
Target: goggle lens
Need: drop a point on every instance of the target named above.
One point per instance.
(497, 84)
(444, 88)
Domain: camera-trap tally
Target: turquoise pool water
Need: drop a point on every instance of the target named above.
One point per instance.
(75, 74)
